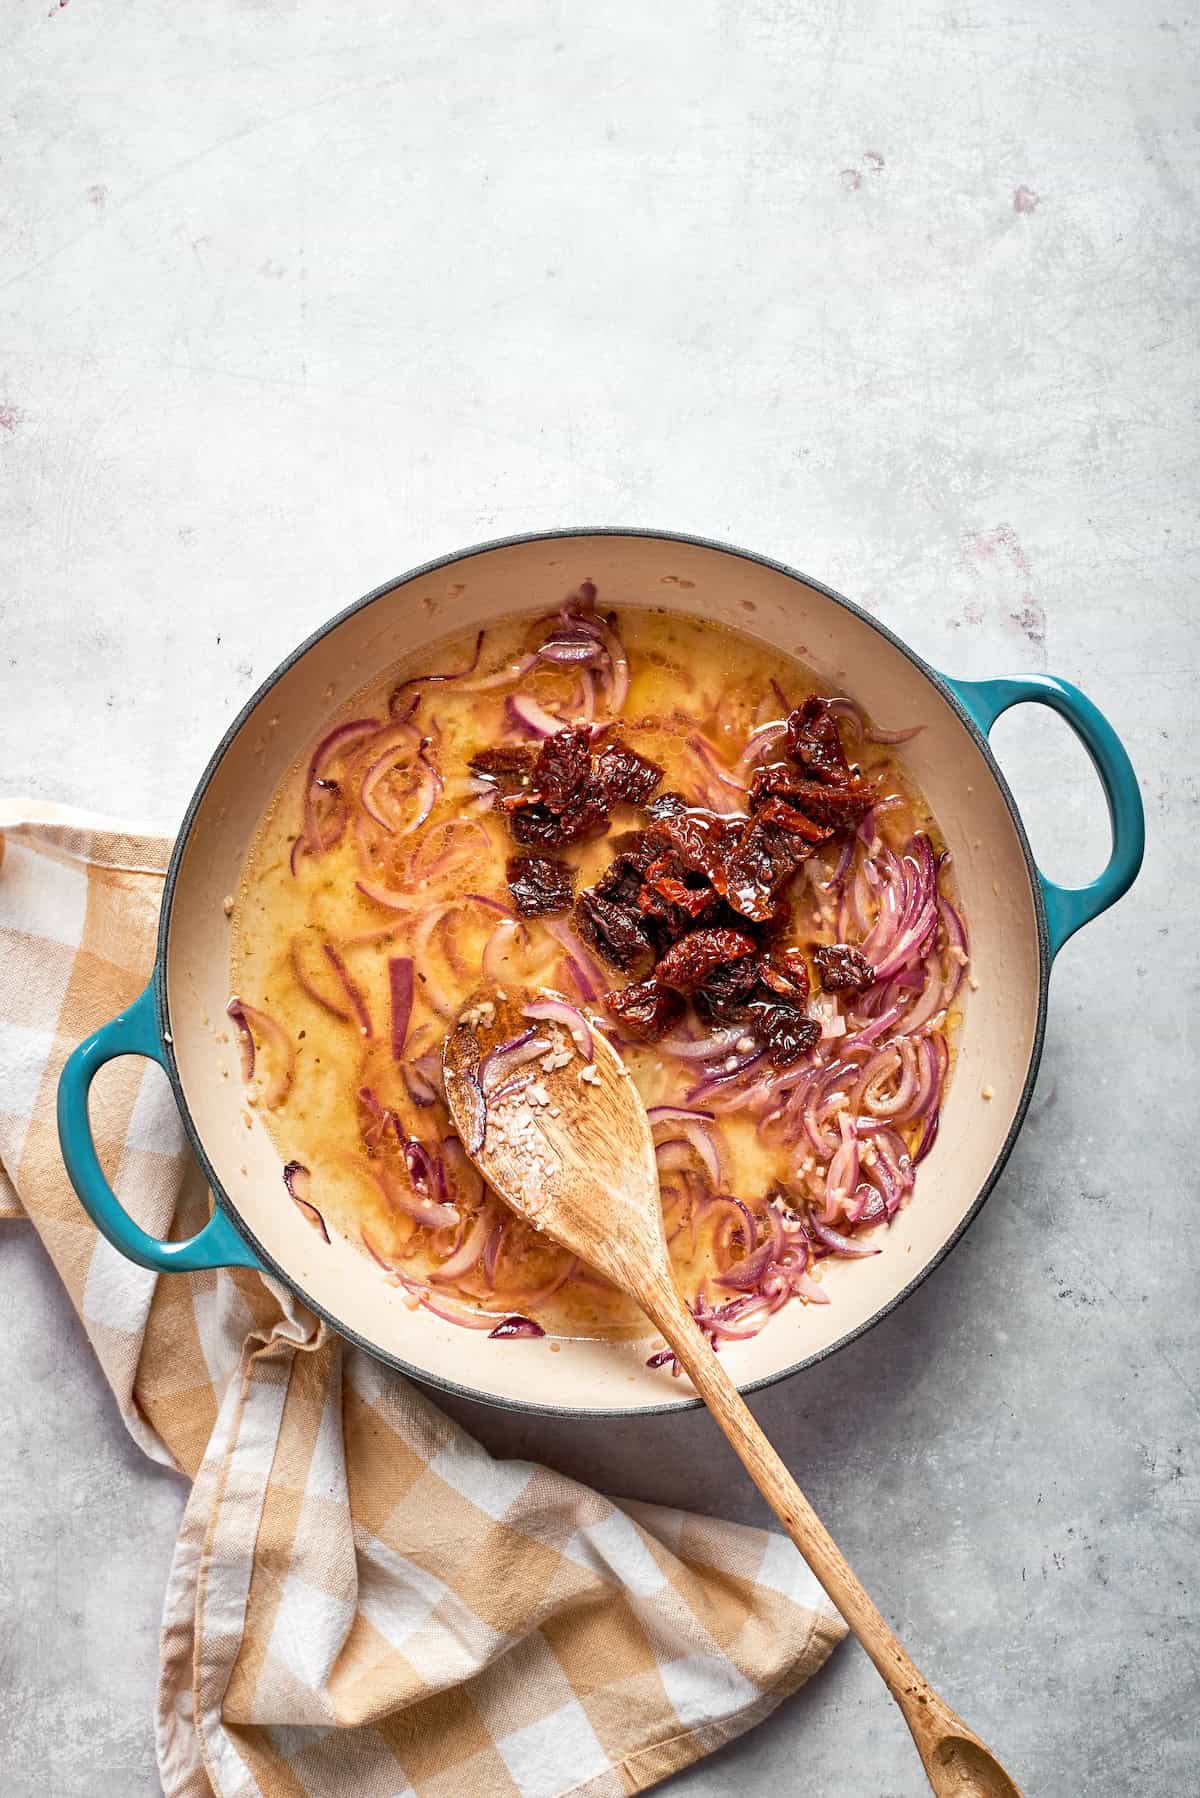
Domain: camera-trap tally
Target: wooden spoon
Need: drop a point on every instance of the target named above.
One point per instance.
(572, 1153)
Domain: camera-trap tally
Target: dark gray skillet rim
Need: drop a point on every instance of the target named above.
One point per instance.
(421, 1374)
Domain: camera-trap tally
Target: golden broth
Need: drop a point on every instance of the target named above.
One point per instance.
(685, 676)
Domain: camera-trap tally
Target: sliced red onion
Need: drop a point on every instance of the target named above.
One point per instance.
(334, 743)
(427, 680)
(503, 677)
(881, 874)
(296, 1178)
(929, 1131)
(866, 828)
(848, 712)
(837, 879)
(673, 1153)
(400, 990)
(500, 1063)
(875, 735)
(381, 1260)
(841, 1178)
(499, 943)
(823, 1009)
(430, 1213)
(759, 744)
(725, 1202)
(847, 709)
(696, 1128)
(928, 1078)
(725, 1080)
(432, 990)
(532, 717)
(586, 971)
(386, 895)
(869, 1206)
(422, 1170)
(512, 1327)
(571, 648)
(900, 1056)
(406, 711)
(466, 1178)
(337, 741)
(956, 930)
(419, 1086)
(470, 1251)
(516, 1083)
(957, 953)
(747, 1272)
(928, 984)
(557, 1011)
(711, 1047)
(249, 1019)
(353, 991)
(921, 914)
(837, 1243)
(492, 904)
(423, 867)
(317, 837)
(308, 986)
(710, 759)
(868, 1033)
(737, 1321)
(313, 1216)
(807, 1288)
(381, 1117)
(429, 786)
(404, 735)
(618, 679)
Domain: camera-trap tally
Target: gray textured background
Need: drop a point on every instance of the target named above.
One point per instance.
(294, 295)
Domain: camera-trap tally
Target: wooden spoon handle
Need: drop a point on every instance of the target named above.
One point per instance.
(956, 1762)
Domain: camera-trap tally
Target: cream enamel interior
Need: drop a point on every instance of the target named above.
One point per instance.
(995, 1045)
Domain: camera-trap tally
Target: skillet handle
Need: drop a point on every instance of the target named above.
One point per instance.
(132, 1032)
(1067, 908)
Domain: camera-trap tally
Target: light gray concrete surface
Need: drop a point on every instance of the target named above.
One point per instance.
(296, 294)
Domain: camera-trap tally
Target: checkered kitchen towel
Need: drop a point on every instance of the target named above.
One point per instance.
(361, 1600)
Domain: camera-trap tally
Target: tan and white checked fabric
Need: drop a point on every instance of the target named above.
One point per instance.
(361, 1600)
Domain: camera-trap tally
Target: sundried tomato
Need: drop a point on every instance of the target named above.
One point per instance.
(540, 885)
(772, 846)
(563, 767)
(690, 962)
(786, 1033)
(508, 768)
(534, 824)
(703, 842)
(625, 776)
(813, 740)
(724, 994)
(666, 893)
(835, 807)
(843, 969)
(645, 1010)
(613, 930)
(785, 972)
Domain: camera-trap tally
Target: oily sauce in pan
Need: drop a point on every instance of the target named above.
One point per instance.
(421, 844)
